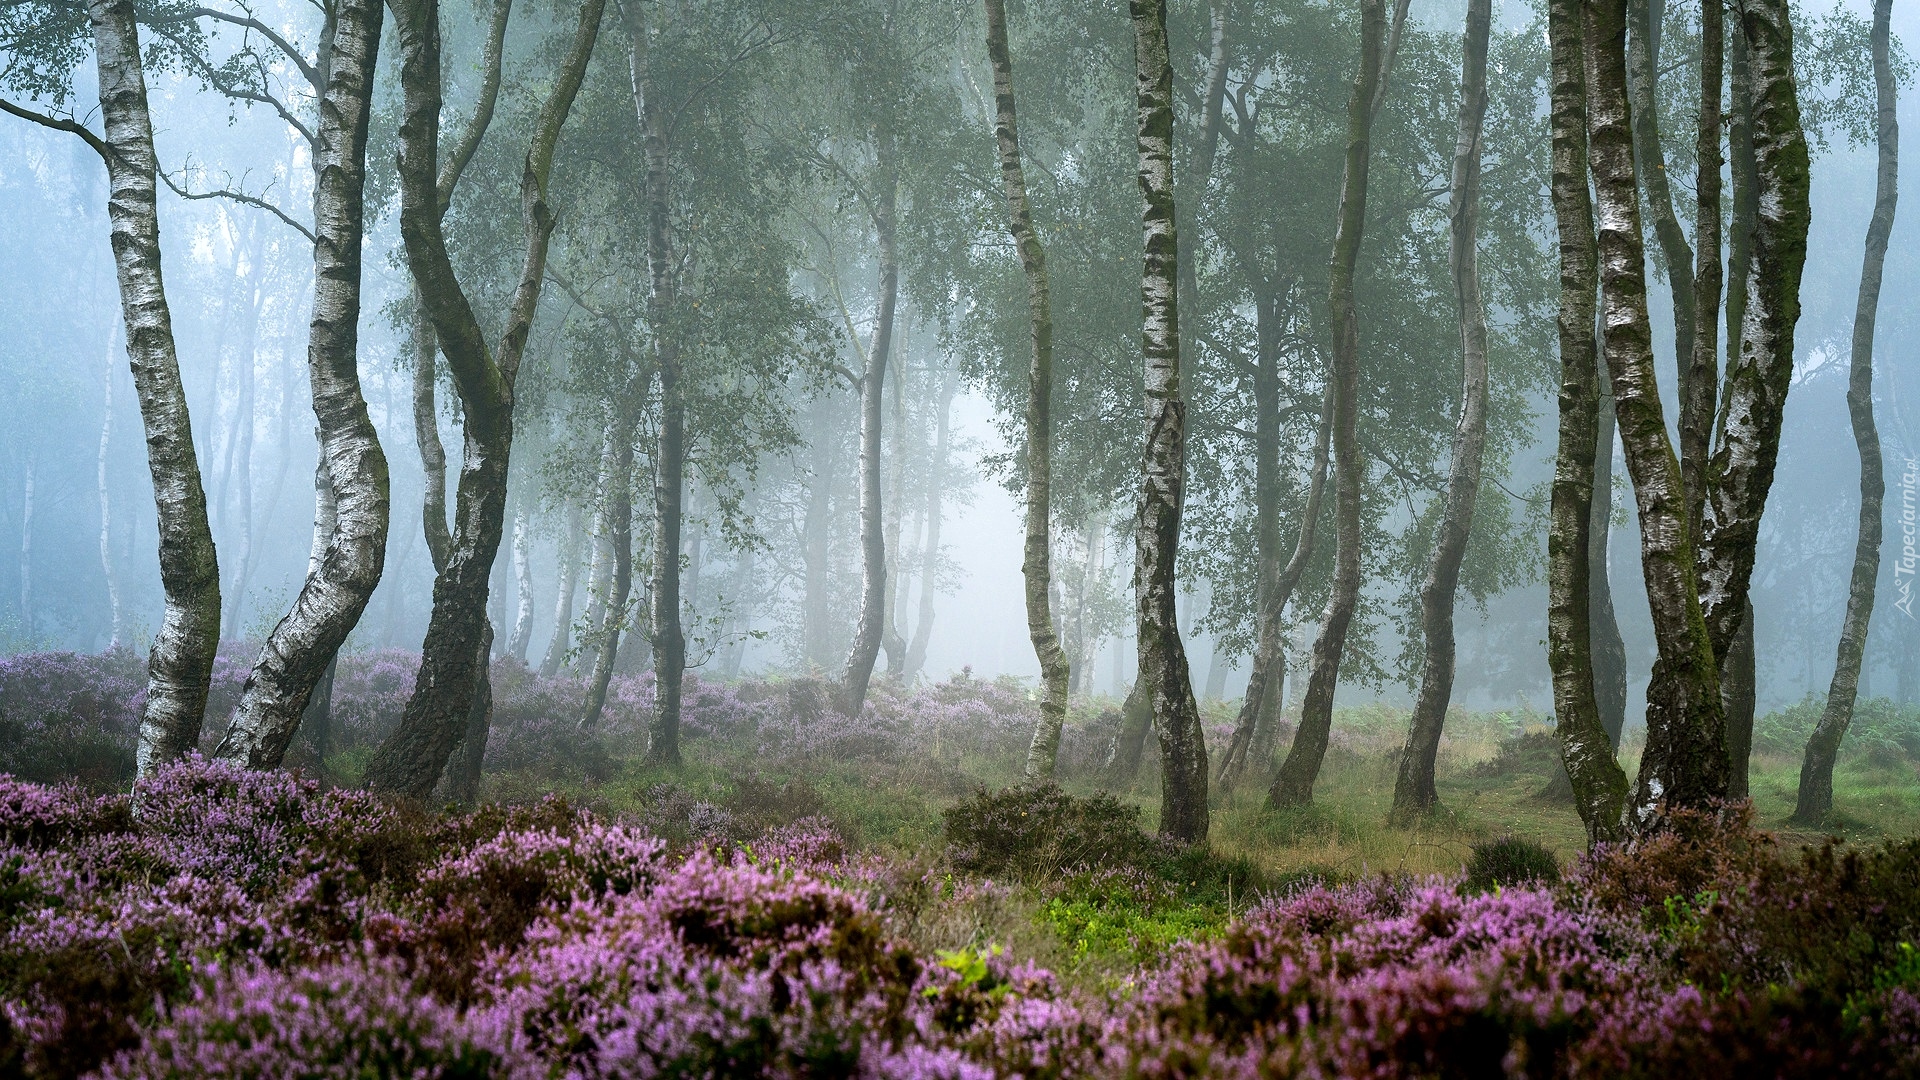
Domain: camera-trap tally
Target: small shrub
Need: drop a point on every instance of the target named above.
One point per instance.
(1510, 861)
(1034, 832)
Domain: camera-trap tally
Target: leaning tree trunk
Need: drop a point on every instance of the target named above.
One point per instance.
(410, 761)
(670, 449)
(426, 434)
(1163, 659)
(1644, 18)
(561, 640)
(1599, 785)
(1414, 793)
(1036, 565)
(619, 521)
(1293, 786)
(1685, 763)
(1748, 435)
(1609, 648)
(297, 652)
(181, 663)
(1255, 728)
(857, 673)
(1816, 771)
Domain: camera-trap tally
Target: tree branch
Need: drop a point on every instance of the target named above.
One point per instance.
(240, 197)
(60, 123)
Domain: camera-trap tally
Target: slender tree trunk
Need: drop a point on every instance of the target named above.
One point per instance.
(1700, 373)
(181, 663)
(891, 638)
(1738, 690)
(1136, 721)
(1609, 648)
(1586, 748)
(561, 640)
(1257, 727)
(1644, 18)
(1748, 434)
(411, 760)
(317, 718)
(297, 652)
(930, 551)
(108, 567)
(1036, 565)
(1815, 801)
(240, 450)
(464, 780)
(1293, 786)
(619, 495)
(670, 455)
(858, 670)
(1414, 793)
(426, 434)
(1685, 762)
(523, 589)
(1163, 673)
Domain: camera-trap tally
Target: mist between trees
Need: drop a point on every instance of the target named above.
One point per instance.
(877, 340)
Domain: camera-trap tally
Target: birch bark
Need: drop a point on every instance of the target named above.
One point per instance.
(1599, 785)
(1414, 793)
(411, 760)
(1036, 564)
(1815, 800)
(340, 583)
(1293, 785)
(1162, 656)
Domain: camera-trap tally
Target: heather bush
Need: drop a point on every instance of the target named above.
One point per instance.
(68, 716)
(1507, 861)
(1037, 831)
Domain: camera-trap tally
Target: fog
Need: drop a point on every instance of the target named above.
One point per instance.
(240, 285)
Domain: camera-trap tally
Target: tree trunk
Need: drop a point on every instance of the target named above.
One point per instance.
(1256, 729)
(858, 670)
(1414, 794)
(1293, 786)
(619, 519)
(1586, 748)
(1609, 649)
(816, 538)
(1738, 690)
(1685, 762)
(891, 638)
(1644, 19)
(426, 434)
(561, 640)
(108, 568)
(411, 760)
(670, 455)
(317, 718)
(1700, 373)
(930, 551)
(1136, 720)
(1816, 771)
(523, 589)
(181, 663)
(1163, 659)
(297, 652)
(1036, 563)
(240, 449)
(464, 783)
(1748, 436)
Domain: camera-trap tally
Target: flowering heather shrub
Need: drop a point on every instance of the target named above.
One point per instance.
(71, 716)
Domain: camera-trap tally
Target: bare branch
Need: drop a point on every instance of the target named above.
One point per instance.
(60, 123)
(240, 197)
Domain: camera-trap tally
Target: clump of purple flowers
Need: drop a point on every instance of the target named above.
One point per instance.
(219, 922)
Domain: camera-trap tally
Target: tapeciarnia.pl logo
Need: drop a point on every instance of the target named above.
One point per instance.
(1905, 566)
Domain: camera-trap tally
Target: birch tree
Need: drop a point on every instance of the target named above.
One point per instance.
(1815, 799)
(1035, 564)
(1414, 793)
